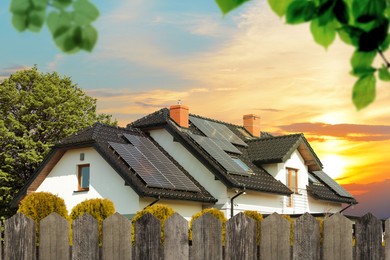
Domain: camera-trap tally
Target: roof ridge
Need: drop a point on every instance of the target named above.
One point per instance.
(216, 120)
(275, 137)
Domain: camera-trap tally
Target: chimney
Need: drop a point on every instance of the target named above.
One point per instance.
(252, 124)
(179, 114)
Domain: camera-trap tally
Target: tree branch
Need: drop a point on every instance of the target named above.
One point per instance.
(387, 63)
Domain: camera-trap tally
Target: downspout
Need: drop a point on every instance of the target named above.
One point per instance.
(347, 207)
(231, 202)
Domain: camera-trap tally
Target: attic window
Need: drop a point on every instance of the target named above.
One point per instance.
(242, 165)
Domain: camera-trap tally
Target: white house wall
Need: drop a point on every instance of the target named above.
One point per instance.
(104, 182)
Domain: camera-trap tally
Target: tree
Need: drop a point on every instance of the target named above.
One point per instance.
(363, 24)
(37, 110)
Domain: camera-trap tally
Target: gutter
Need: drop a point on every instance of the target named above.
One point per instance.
(232, 203)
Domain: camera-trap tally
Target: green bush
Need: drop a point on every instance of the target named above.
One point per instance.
(216, 213)
(100, 209)
(160, 211)
(38, 205)
(258, 217)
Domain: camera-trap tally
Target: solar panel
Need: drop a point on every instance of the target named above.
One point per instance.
(216, 130)
(332, 184)
(167, 168)
(225, 145)
(219, 155)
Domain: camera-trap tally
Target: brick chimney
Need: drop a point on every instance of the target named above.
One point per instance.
(251, 123)
(179, 114)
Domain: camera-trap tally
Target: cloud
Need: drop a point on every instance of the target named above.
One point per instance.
(7, 71)
(350, 132)
(372, 197)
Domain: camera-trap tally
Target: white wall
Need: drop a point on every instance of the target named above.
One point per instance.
(104, 182)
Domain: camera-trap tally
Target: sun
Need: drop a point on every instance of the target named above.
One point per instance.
(334, 165)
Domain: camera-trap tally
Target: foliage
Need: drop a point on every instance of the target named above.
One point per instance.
(100, 209)
(38, 205)
(69, 21)
(363, 24)
(160, 211)
(216, 213)
(258, 217)
(36, 110)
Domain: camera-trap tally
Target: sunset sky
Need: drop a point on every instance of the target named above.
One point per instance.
(152, 53)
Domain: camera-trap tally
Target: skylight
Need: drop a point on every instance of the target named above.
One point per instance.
(242, 165)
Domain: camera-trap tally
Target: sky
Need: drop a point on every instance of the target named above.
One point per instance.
(152, 53)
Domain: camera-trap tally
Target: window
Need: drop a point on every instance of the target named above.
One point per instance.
(292, 183)
(242, 165)
(83, 177)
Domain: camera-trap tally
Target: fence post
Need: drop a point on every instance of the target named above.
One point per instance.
(207, 238)
(274, 238)
(240, 241)
(368, 237)
(19, 238)
(85, 238)
(147, 237)
(387, 239)
(176, 238)
(116, 238)
(337, 243)
(306, 238)
(54, 238)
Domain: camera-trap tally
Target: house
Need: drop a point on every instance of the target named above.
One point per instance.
(189, 162)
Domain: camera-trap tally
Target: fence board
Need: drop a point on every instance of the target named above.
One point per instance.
(147, 237)
(19, 238)
(387, 239)
(368, 237)
(306, 238)
(240, 241)
(116, 238)
(85, 238)
(176, 238)
(1, 241)
(54, 238)
(275, 238)
(337, 233)
(207, 238)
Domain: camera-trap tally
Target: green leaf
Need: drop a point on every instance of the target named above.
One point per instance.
(384, 73)
(300, 11)
(86, 10)
(61, 4)
(341, 12)
(39, 4)
(36, 19)
(374, 38)
(20, 6)
(385, 45)
(323, 35)
(279, 6)
(361, 62)
(350, 35)
(228, 5)
(89, 38)
(364, 91)
(19, 22)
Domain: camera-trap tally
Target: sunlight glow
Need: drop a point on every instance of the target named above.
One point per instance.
(334, 165)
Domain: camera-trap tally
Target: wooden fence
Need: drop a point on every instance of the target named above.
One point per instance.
(207, 243)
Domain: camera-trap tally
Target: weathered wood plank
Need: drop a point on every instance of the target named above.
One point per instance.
(116, 238)
(176, 238)
(337, 243)
(19, 238)
(368, 237)
(54, 238)
(85, 238)
(147, 244)
(387, 239)
(240, 241)
(1, 241)
(306, 238)
(275, 238)
(207, 238)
